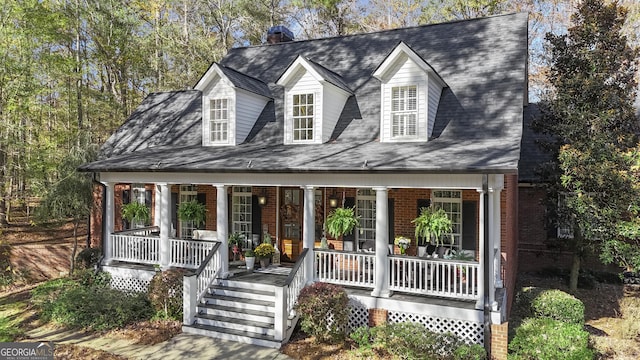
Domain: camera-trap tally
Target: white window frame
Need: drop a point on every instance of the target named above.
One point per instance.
(241, 210)
(188, 192)
(296, 116)
(449, 200)
(366, 210)
(219, 120)
(564, 231)
(403, 111)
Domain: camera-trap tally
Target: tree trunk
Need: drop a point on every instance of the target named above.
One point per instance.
(72, 265)
(3, 212)
(575, 271)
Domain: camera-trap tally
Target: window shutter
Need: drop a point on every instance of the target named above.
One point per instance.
(174, 211)
(391, 213)
(126, 198)
(256, 216)
(350, 202)
(147, 198)
(422, 203)
(469, 225)
(202, 199)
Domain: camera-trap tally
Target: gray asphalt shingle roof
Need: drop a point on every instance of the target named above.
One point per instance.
(478, 125)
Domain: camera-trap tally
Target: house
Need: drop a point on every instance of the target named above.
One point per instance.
(273, 137)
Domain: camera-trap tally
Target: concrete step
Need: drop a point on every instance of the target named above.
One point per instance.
(245, 337)
(233, 312)
(236, 324)
(239, 292)
(239, 303)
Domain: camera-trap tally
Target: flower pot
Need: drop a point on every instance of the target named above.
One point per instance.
(251, 262)
(264, 262)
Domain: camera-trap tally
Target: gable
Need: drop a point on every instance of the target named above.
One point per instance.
(477, 119)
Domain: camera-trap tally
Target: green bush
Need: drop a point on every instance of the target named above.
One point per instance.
(558, 305)
(409, 340)
(470, 352)
(548, 339)
(86, 301)
(165, 293)
(363, 336)
(88, 258)
(96, 308)
(324, 309)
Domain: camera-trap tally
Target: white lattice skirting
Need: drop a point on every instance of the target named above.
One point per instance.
(129, 280)
(469, 331)
(359, 315)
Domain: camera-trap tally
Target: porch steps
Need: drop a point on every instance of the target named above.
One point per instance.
(238, 311)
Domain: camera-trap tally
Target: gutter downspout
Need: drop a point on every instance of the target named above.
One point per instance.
(486, 259)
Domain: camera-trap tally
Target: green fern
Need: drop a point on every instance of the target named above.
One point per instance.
(342, 221)
(432, 224)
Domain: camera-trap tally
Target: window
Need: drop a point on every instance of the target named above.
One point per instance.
(219, 121)
(303, 117)
(187, 193)
(366, 210)
(404, 111)
(241, 211)
(451, 202)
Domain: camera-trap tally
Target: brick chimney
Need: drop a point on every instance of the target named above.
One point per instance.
(278, 34)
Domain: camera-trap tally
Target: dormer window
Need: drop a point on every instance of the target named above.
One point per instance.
(411, 92)
(303, 117)
(314, 97)
(219, 121)
(404, 111)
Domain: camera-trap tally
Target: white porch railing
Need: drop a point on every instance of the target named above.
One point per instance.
(189, 253)
(345, 267)
(439, 277)
(287, 295)
(136, 245)
(196, 285)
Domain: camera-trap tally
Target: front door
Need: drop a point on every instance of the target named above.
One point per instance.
(291, 223)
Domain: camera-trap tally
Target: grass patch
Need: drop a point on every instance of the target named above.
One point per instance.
(14, 313)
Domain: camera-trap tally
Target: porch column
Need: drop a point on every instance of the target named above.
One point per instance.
(381, 279)
(490, 250)
(481, 269)
(497, 240)
(108, 218)
(309, 231)
(157, 209)
(222, 222)
(165, 223)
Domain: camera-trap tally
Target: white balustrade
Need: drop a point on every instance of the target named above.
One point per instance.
(189, 253)
(133, 248)
(345, 268)
(439, 277)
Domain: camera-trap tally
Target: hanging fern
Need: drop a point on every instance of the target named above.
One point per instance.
(192, 211)
(136, 212)
(432, 224)
(342, 221)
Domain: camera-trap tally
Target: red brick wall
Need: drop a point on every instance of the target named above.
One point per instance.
(499, 341)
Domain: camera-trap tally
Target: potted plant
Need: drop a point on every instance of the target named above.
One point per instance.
(136, 213)
(461, 270)
(264, 252)
(431, 224)
(403, 243)
(192, 211)
(342, 221)
(250, 259)
(236, 239)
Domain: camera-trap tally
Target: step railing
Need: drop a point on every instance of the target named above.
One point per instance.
(440, 277)
(287, 295)
(136, 245)
(346, 268)
(195, 285)
(189, 253)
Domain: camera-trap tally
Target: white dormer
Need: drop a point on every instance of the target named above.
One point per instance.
(231, 104)
(313, 101)
(411, 92)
